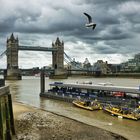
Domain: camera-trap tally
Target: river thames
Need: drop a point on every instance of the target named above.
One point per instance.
(27, 91)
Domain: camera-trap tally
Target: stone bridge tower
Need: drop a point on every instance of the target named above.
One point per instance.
(58, 59)
(13, 72)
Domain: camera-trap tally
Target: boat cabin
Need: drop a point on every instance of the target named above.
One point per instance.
(97, 90)
(92, 91)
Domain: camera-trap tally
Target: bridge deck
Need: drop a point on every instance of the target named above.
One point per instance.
(36, 48)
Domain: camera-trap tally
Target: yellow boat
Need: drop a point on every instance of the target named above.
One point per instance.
(87, 105)
(116, 111)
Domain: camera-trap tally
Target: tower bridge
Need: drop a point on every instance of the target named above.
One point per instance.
(12, 48)
(13, 72)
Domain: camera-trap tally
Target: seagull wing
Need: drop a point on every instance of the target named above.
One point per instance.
(89, 17)
(94, 26)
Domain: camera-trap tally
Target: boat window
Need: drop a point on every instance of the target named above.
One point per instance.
(84, 90)
(73, 89)
(78, 90)
(89, 90)
(63, 89)
(56, 88)
(69, 89)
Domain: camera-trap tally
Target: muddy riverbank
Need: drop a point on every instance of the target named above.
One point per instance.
(34, 124)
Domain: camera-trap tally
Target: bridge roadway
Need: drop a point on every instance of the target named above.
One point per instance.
(31, 48)
(36, 48)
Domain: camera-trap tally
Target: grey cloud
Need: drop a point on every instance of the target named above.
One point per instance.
(105, 50)
(117, 25)
(136, 28)
(7, 25)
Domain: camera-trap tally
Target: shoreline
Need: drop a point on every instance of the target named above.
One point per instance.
(34, 123)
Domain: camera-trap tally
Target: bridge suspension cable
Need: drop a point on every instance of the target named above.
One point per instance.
(71, 62)
(3, 53)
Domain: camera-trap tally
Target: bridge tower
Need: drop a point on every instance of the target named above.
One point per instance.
(58, 59)
(13, 72)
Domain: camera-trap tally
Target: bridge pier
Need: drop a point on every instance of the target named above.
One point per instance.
(13, 72)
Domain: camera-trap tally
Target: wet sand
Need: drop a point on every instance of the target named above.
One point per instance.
(35, 124)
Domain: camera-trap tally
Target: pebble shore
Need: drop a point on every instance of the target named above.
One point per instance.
(35, 124)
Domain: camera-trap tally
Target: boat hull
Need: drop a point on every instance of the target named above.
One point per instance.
(120, 115)
(81, 104)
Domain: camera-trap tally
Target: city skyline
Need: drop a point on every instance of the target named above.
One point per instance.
(115, 39)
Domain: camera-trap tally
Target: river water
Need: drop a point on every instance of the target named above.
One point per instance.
(27, 91)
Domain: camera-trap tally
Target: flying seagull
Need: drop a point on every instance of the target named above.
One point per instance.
(90, 24)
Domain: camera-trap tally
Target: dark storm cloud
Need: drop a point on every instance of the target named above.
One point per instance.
(117, 30)
(64, 22)
(105, 50)
(107, 2)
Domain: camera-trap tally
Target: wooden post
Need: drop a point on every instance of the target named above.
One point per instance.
(6, 115)
(2, 82)
(42, 81)
(8, 134)
(11, 114)
(1, 121)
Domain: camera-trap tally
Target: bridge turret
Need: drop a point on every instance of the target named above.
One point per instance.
(12, 38)
(58, 57)
(58, 42)
(12, 58)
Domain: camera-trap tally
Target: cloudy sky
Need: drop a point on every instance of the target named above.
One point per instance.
(115, 39)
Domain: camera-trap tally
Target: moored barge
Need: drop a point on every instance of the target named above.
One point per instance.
(109, 94)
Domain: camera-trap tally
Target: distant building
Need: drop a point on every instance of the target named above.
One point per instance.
(86, 64)
(132, 65)
(115, 68)
(101, 67)
(75, 66)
